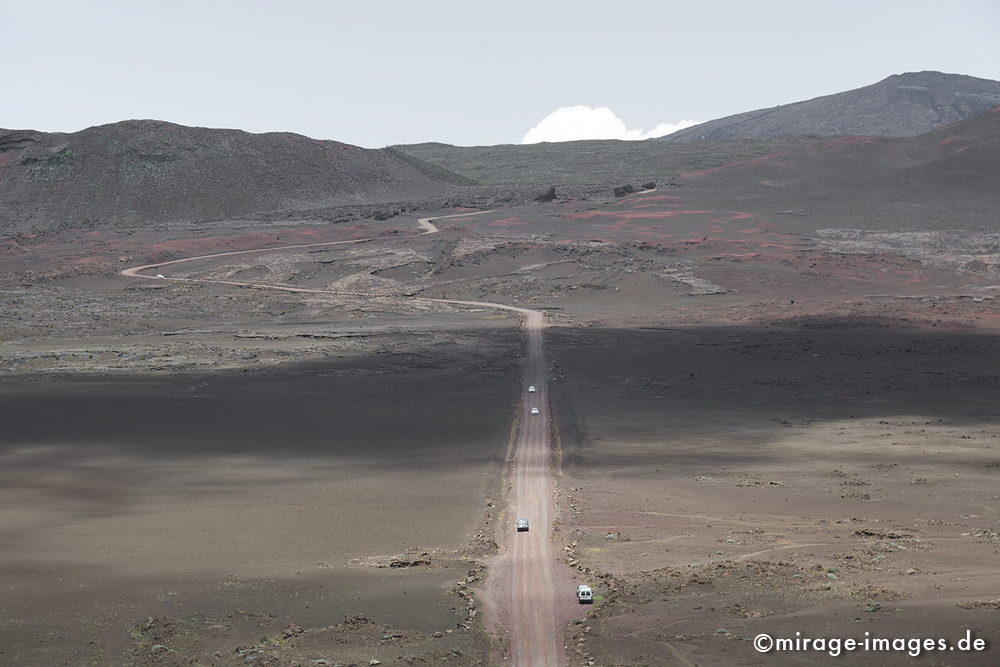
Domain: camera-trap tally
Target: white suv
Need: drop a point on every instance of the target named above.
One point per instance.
(522, 525)
(534, 411)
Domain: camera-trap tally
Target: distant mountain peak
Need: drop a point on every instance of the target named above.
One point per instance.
(900, 105)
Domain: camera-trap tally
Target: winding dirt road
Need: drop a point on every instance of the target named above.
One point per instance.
(527, 590)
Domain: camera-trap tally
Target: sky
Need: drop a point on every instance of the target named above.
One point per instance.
(383, 72)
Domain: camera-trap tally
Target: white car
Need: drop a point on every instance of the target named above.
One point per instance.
(534, 411)
(584, 594)
(522, 525)
(531, 389)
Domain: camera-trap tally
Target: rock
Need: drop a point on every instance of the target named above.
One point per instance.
(438, 635)
(649, 186)
(548, 195)
(407, 561)
(872, 607)
(357, 620)
(623, 190)
(722, 631)
(373, 661)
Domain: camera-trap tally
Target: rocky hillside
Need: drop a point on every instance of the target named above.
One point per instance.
(146, 171)
(945, 179)
(575, 166)
(901, 105)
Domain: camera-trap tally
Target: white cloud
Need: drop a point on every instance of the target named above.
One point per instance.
(583, 122)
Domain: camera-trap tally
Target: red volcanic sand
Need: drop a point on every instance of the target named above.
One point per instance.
(841, 142)
(623, 215)
(643, 200)
(507, 222)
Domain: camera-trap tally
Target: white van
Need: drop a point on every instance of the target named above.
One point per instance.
(584, 594)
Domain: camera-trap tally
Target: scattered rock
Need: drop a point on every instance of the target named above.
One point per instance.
(980, 604)
(292, 630)
(881, 534)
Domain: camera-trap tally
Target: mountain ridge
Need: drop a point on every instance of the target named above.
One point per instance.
(905, 104)
(138, 171)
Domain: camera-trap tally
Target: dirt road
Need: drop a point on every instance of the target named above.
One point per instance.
(525, 591)
(523, 580)
(536, 638)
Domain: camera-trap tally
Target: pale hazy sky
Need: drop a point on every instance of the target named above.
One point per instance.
(374, 72)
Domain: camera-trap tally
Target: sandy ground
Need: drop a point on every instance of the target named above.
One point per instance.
(269, 495)
(729, 481)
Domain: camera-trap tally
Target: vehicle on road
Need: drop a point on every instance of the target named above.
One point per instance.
(159, 275)
(584, 594)
(522, 525)
(531, 389)
(534, 411)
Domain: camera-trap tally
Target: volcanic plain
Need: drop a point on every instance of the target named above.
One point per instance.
(769, 418)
